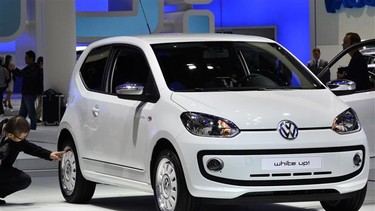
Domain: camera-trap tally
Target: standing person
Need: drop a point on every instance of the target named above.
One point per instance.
(29, 87)
(16, 130)
(357, 68)
(9, 89)
(39, 105)
(317, 64)
(4, 79)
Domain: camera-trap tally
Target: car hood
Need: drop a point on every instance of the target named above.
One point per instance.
(265, 109)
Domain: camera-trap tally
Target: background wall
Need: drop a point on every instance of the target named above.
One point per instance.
(300, 25)
(332, 27)
(291, 18)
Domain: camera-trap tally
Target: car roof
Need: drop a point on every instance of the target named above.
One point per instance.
(175, 37)
(181, 37)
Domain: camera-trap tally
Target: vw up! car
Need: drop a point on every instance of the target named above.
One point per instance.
(208, 117)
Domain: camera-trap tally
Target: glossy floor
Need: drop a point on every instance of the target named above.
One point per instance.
(44, 195)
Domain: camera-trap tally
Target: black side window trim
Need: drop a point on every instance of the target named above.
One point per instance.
(116, 49)
(105, 72)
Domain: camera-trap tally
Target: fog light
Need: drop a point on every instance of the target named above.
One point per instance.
(215, 164)
(357, 159)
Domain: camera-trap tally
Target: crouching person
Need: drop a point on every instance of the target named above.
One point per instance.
(14, 132)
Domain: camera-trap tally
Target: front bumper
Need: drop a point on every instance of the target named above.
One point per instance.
(283, 167)
(326, 158)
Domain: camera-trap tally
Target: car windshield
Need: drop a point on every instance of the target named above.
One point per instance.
(216, 66)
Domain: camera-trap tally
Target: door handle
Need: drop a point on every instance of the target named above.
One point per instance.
(95, 110)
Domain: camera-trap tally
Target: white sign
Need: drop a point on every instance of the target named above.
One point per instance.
(297, 163)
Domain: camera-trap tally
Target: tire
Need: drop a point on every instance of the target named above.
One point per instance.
(74, 187)
(350, 204)
(170, 191)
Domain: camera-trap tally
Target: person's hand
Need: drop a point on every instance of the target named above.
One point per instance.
(56, 156)
(11, 66)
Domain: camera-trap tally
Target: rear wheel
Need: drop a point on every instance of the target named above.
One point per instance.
(350, 204)
(74, 187)
(170, 191)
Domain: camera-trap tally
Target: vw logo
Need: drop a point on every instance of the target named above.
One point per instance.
(288, 129)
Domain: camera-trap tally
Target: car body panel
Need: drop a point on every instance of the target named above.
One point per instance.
(115, 137)
(363, 102)
(253, 110)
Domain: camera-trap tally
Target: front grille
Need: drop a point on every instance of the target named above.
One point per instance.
(298, 174)
(299, 177)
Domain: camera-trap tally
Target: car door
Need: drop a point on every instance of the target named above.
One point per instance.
(363, 102)
(121, 132)
(92, 75)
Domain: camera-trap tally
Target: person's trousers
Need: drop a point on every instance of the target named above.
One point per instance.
(28, 109)
(2, 89)
(12, 180)
(38, 107)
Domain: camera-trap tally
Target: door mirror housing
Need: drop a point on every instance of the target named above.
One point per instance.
(342, 86)
(129, 89)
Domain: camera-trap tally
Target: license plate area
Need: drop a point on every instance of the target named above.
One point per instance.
(291, 163)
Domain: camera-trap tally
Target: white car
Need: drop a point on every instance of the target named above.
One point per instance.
(208, 117)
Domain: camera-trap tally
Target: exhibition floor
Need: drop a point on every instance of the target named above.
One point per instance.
(44, 193)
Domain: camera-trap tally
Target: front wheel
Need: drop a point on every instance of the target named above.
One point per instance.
(350, 204)
(170, 191)
(74, 187)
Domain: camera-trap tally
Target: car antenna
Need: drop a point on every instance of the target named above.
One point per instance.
(144, 15)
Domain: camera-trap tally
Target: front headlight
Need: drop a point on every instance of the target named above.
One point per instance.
(209, 126)
(346, 122)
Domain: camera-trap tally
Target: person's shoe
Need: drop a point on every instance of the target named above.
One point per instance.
(5, 104)
(39, 121)
(10, 106)
(2, 202)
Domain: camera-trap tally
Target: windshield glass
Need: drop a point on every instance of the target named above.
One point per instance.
(214, 66)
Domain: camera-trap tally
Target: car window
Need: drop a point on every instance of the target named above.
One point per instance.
(362, 70)
(93, 69)
(130, 66)
(212, 66)
(369, 53)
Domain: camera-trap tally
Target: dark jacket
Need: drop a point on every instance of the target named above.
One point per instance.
(30, 79)
(40, 85)
(317, 68)
(357, 72)
(9, 151)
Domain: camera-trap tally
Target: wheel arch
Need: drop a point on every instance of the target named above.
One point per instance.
(160, 145)
(63, 136)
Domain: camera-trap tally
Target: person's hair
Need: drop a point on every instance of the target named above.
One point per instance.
(316, 49)
(353, 37)
(7, 60)
(31, 54)
(17, 125)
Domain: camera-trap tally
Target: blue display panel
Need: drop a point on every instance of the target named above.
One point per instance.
(8, 46)
(92, 6)
(131, 21)
(103, 5)
(333, 5)
(290, 17)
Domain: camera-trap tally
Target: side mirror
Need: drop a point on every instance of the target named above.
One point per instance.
(129, 89)
(342, 86)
